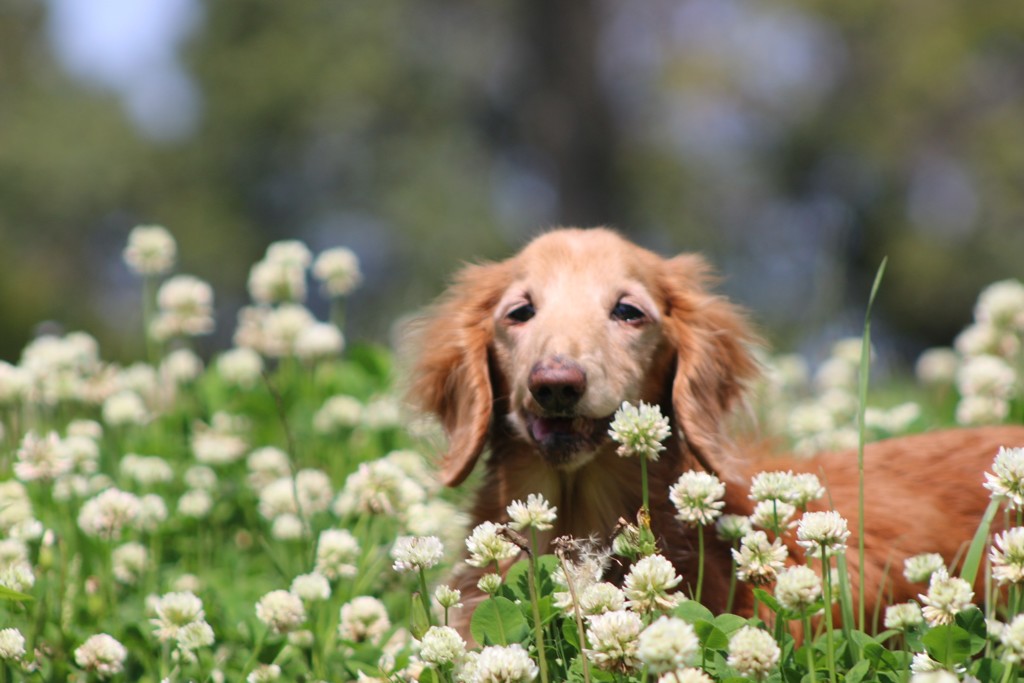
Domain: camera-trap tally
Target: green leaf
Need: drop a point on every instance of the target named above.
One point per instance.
(948, 644)
(973, 621)
(571, 634)
(730, 623)
(13, 595)
(419, 619)
(858, 672)
(498, 621)
(977, 548)
(692, 611)
(427, 675)
(711, 637)
(878, 657)
(517, 581)
(768, 599)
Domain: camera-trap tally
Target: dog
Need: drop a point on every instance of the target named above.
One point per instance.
(529, 358)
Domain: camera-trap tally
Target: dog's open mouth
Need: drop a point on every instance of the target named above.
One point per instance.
(561, 437)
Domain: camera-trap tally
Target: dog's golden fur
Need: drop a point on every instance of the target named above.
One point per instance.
(589, 314)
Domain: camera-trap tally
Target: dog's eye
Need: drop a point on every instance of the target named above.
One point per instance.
(521, 314)
(627, 313)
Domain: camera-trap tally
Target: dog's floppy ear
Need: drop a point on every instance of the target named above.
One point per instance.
(714, 360)
(451, 377)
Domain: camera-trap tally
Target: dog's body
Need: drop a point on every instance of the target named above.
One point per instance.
(532, 356)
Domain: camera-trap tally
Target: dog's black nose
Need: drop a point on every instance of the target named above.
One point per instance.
(557, 384)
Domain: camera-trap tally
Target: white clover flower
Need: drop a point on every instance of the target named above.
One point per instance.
(181, 366)
(753, 652)
(687, 675)
(102, 655)
(83, 452)
(272, 282)
(776, 515)
(12, 644)
(289, 252)
(264, 673)
(18, 576)
(313, 488)
(312, 587)
(809, 420)
(981, 410)
(977, 339)
(937, 676)
(281, 611)
(922, 663)
(1007, 479)
(489, 583)
(436, 517)
(338, 270)
(447, 596)
(601, 597)
(363, 619)
(806, 487)
(288, 527)
(195, 635)
(1007, 556)
(614, 640)
(536, 513)
(797, 588)
(772, 486)
(697, 497)
(200, 477)
(1001, 305)
(146, 470)
(125, 408)
(382, 412)
(986, 376)
(758, 560)
(267, 465)
(1012, 637)
(733, 527)
(281, 328)
(499, 664)
(379, 487)
(12, 550)
(486, 545)
(195, 503)
(667, 644)
(337, 552)
(106, 515)
(442, 645)
(220, 443)
(319, 340)
(129, 562)
(240, 367)
(905, 615)
(639, 430)
(152, 512)
(919, 568)
(937, 367)
(174, 611)
(185, 308)
(822, 531)
(947, 595)
(416, 553)
(648, 584)
(151, 250)
(338, 412)
(14, 383)
(41, 458)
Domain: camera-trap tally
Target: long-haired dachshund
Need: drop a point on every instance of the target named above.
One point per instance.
(529, 358)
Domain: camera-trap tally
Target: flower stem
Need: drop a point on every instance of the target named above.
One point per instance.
(570, 584)
(700, 561)
(809, 644)
(425, 597)
(830, 654)
(538, 629)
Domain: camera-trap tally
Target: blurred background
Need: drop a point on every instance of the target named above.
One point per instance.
(795, 142)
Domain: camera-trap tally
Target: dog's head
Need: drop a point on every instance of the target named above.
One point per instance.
(553, 340)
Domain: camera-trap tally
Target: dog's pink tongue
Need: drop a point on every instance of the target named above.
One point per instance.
(544, 427)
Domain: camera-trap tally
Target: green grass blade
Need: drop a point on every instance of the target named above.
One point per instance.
(977, 548)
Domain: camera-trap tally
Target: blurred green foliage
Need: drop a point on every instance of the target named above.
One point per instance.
(795, 142)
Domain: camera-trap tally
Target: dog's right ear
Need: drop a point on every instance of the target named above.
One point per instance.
(451, 377)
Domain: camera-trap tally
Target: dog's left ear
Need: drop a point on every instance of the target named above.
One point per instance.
(714, 359)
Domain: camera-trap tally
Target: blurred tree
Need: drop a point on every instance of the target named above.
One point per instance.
(794, 142)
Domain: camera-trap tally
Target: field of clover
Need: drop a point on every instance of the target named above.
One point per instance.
(271, 515)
